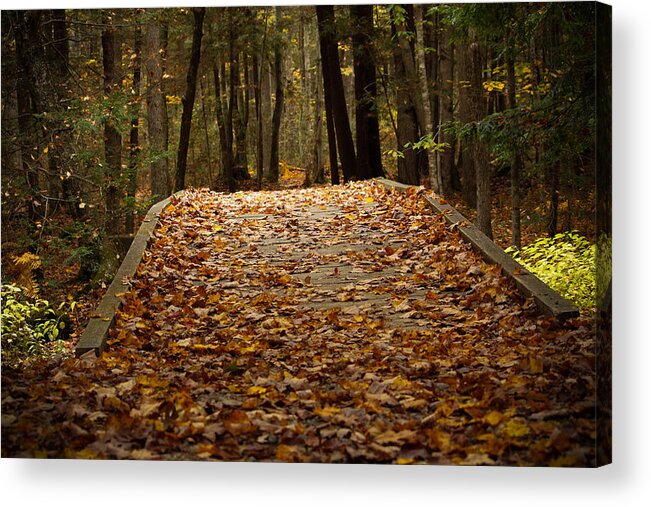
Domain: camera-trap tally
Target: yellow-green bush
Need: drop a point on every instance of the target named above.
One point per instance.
(28, 324)
(566, 262)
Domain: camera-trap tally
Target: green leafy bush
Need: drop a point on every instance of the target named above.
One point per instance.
(566, 262)
(28, 324)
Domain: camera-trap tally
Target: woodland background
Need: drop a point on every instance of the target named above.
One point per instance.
(106, 111)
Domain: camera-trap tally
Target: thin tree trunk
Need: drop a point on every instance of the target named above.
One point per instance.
(302, 113)
(317, 164)
(112, 137)
(60, 44)
(134, 134)
(428, 127)
(188, 98)
(326, 22)
(431, 36)
(516, 162)
(274, 161)
(481, 157)
(266, 103)
(258, 121)
(330, 124)
(554, 191)
(466, 160)
(27, 124)
(407, 127)
(205, 131)
(225, 134)
(156, 113)
(367, 132)
(241, 120)
(449, 179)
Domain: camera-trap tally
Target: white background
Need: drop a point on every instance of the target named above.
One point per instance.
(626, 482)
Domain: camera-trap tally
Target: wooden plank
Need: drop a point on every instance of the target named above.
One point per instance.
(96, 332)
(547, 299)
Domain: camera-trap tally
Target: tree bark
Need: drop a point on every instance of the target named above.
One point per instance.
(25, 33)
(330, 124)
(134, 133)
(407, 127)
(156, 113)
(278, 105)
(225, 132)
(553, 182)
(433, 169)
(481, 157)
(265, 104)
(188, 98)
(241, 123)
(112, 137)
(516, 161)
(318, 176)
(258, 121)
(466, 160)
(449, 177)
(367, 131)
(332, 73)
(205, 132)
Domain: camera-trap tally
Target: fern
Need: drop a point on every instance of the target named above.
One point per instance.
(23, 269)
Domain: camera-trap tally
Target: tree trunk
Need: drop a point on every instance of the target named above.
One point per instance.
(258, 121)
(554, 177)
(318, 176)
(481, 156)
(134, 134)
(278, 105)
(28, 127)
(407, 127)
(367, 132)
(330, 124)
(431, 36)
(241, 116)
(428, 128)
(332, 73)
(516, 162)
(205, 132)
(466, 160)
(225, 132)
(156, 113)
(60, 45)
(449, 178)
(188, 98)
(265, 104)
(112, 137)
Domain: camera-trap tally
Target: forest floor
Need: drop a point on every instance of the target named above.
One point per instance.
(334, 324)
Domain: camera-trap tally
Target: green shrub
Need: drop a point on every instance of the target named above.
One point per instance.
(566, 263)
(28, 324)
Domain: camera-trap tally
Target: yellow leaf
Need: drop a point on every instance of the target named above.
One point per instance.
(256, 390)
(327, 411)
(494, 418)
(369, 199)
(86, 454)
(516, 428)
(405, 461)
(536, 364)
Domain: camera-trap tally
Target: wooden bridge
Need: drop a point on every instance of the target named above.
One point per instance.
(359, 323)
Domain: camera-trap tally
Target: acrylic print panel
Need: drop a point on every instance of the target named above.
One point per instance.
(349, 234)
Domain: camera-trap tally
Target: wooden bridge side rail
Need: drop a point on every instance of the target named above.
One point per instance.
(96, 332)
(547, 299)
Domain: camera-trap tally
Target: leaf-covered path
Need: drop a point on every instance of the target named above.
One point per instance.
(341, 324)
